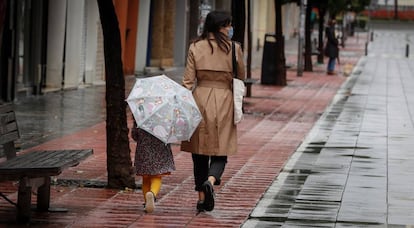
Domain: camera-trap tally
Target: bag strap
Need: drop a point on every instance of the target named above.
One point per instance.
(233, 54)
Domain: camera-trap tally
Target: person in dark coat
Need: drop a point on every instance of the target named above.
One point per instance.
(331, 48)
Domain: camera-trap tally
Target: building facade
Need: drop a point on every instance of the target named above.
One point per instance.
(51, 45)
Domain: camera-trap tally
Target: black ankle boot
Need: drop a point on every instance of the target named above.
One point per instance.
(209, 196)
(200, 206)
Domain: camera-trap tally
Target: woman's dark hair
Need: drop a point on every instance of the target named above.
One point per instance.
(215, 20)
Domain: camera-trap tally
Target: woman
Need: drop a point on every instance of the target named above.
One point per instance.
(209, 74)
(331, 49)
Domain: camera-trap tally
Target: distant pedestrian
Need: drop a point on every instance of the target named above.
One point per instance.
(331, 48)
(209, 74)
(153, 159)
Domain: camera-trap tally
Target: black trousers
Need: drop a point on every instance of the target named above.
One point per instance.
(205, 166)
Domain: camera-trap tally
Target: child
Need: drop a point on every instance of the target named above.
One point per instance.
(153, 159)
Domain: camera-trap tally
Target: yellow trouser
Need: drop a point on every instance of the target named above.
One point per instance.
(151, 183)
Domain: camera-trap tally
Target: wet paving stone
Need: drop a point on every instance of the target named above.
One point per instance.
(323, 187)
(359, 154)
(359, 212)
(309, 210)
(262, 223)
(401, 215)
(361, 225)
(311, 223)
(41, 118)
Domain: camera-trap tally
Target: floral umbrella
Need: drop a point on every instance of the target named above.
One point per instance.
(164, 108)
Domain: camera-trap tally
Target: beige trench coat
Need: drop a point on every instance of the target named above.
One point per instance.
(210, 77)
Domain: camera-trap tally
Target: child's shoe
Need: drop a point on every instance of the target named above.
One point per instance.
(149, 202)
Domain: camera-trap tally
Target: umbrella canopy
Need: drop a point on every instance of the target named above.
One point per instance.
(164, 108)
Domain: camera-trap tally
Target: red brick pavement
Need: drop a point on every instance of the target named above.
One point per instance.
(277, 120)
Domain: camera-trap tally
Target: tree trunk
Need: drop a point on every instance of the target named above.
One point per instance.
(249, 49)
(194, 14)
(238, 11)
(308, 41)
(322, 13)
(396, 10)
(280, 47)
(119, 165)
(6, 53)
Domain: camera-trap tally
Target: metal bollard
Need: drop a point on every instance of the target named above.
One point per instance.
(372, 36)
(407, 50)
(366, 48)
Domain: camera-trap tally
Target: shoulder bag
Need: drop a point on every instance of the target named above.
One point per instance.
(238, 89)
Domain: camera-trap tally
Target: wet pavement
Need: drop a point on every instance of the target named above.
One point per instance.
(355, 168)
(323, 151)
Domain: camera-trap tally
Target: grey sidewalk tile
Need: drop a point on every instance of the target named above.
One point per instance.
(358, 212)
(398, 152)
(323, 187)
(330, 166)
(359, 225)
(373, 185)
(400, 222)
(376, 170)
(256, 223)
(374, 139)
(341, 140)
(339, 154)
(401, 214)
(364, 199)
(314, 211)
(278, 200)
(305, 161)
(310, 223)
(360, 164)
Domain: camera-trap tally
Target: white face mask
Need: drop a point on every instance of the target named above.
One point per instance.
(231, 31)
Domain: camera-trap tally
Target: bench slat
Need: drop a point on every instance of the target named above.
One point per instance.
(6, 108)
(250, 81)
(9, 137)
(8, 127)
(42, 163)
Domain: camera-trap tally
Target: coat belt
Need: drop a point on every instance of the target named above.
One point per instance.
(214, 84)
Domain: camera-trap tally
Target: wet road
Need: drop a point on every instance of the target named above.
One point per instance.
(356, 167)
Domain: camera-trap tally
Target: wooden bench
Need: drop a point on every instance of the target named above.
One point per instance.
(33, 170)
